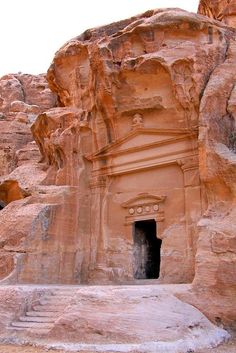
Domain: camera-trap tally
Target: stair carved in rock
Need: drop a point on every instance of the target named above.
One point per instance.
(40, 319)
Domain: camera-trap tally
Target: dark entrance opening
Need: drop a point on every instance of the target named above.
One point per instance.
(2, 205)
(147, 250)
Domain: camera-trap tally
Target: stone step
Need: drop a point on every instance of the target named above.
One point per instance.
(52, 308)
(63, 292)
(42, 314)
(34, 325)
(37, 319)
(60, 296)
(39, 331)
(54, 301)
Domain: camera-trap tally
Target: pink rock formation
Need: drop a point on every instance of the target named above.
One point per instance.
(137, 172)
(22, 98)
(216, 252)
(222, 10)
(10, 191)
(125, 85)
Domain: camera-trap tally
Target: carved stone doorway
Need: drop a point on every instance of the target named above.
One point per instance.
(147, 250)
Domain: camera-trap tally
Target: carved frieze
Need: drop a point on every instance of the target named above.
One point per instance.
(144, 206)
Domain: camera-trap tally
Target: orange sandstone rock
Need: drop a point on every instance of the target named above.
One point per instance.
(22, 98)
(221, 10)
(10, 191)
(137, 172)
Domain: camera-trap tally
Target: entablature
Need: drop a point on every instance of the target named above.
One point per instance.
(144, 148)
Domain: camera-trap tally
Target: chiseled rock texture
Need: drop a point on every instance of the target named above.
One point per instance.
(140, 128)
(221, 10)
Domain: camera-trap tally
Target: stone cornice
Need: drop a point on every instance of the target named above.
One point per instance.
(110, 150)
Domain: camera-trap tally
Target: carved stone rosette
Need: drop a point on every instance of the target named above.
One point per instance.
(144, 206)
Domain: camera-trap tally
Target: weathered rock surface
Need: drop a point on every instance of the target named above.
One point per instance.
(22, 98)
(115, 319)
(11, 191)
(124, 77)
(216, 251)
(221, 10)
(132, 172)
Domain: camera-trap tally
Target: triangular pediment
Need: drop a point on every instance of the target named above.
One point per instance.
(141, 138)
(143, 199)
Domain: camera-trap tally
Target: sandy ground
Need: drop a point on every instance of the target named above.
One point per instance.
(229, 347)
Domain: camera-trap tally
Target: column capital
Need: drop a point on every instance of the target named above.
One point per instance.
(97, 182)
(188, 163)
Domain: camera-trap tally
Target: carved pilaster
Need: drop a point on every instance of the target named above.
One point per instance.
(190, 168)
(97, 182)
(192, 195)
(98, 187)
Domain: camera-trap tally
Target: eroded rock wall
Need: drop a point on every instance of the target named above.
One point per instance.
(149, 72)
(22, 98)
(216, 254)
(163, 79)
(221, 10)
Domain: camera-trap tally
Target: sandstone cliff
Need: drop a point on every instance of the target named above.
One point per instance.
(22, 98)
(160, 85)
(222, 10)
